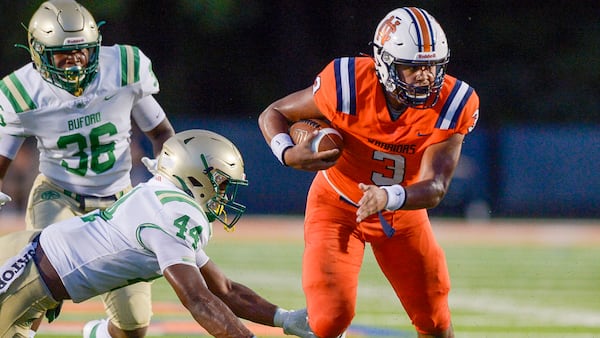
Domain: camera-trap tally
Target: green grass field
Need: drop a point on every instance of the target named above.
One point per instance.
(507, 282)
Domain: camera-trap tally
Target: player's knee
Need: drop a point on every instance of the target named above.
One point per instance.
(331, 323)
(129, 310)
(134, 316)
(427, 324)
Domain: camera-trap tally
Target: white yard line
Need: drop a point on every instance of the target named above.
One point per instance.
(520, 311)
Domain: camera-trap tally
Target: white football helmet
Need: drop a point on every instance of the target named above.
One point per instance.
(411, 37)
(60, 26)
(209, 168)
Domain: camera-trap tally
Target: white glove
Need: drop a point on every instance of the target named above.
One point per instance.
(151, 164)
(4, 198)
(293, 322)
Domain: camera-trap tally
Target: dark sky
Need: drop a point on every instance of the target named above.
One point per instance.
(529, 61)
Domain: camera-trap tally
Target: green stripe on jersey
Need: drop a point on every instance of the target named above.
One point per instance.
(166, 196)
(13, 89)
(130, 65)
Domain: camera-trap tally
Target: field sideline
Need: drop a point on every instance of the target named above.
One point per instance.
(511, 278)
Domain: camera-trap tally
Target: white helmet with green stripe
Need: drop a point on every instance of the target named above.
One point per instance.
(209, 168)
(61, 26)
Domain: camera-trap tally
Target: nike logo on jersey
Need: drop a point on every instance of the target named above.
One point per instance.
(108, 97)
(422, 134)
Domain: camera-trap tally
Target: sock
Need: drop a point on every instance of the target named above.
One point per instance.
(101, 330)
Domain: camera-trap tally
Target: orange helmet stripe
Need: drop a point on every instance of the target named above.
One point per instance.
(423, 26)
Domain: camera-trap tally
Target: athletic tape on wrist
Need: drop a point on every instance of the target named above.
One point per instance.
(396, 195)
(279, 144)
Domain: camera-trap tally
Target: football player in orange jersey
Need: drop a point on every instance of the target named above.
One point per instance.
(403, 121)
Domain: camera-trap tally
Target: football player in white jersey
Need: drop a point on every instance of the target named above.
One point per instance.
(159, 228)
(77, 98)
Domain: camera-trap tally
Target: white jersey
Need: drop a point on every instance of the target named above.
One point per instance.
(147, 230)
(83, 141)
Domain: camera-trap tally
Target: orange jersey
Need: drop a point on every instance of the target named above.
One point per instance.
(377, 149)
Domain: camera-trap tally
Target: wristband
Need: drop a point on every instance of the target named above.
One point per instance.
(9, 145)
(279, 144)
(396, 195)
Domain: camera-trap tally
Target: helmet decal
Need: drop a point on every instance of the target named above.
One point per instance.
(386, 28)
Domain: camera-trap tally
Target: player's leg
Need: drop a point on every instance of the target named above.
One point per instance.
(129, 310)
(47, 204)
(25, 297)
(331, 262)
(416, 267)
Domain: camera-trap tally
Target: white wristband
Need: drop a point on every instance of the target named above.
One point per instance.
(396, 195)
(279, 144)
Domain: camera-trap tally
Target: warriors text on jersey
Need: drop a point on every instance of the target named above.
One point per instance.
(83, 141)
(348, 93)
(149, 229)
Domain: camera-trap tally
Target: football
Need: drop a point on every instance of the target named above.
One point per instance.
(328, 137)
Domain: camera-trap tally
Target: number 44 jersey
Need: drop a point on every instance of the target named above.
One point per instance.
(152, 227)
(83, 140)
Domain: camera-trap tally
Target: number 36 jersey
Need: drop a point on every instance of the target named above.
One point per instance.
(83, 141)
(378, 149)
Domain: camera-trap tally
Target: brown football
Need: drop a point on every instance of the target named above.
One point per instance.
(328, 137)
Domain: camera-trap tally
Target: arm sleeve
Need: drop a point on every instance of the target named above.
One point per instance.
(147, 113)
(168, 250)
(9, 145)
(470, 115)
(324, 91)
(148, 79)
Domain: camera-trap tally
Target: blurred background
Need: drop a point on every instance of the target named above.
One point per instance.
(535, 66)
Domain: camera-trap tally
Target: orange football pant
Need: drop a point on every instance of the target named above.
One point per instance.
(411, 260)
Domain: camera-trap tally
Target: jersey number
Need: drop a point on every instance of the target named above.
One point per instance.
(395, 173)
(181, 224)
(97, 150)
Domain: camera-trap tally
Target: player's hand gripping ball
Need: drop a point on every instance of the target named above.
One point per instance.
(327, 139)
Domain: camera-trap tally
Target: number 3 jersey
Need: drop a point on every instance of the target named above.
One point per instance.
(152, 227)
(83, 141)
(378, 149)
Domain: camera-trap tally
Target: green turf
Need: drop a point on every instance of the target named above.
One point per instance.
(498, 290)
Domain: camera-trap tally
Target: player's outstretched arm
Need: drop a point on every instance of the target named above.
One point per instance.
(247, 304)
(242, 300)
(208, 310)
